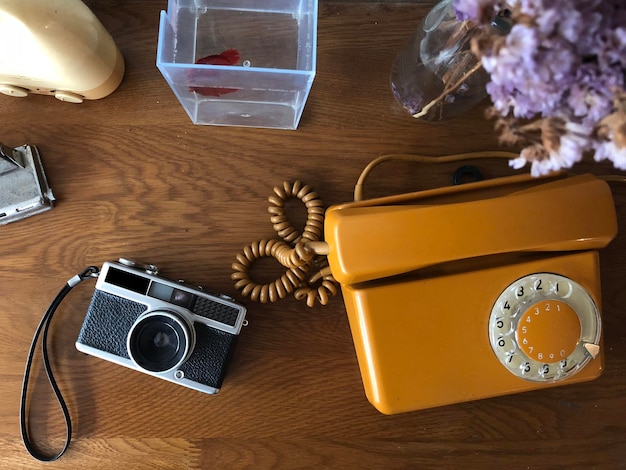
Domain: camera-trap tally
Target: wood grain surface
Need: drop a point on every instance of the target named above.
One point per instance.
(134, 177)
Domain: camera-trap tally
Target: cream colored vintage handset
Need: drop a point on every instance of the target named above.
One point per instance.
(58, 48)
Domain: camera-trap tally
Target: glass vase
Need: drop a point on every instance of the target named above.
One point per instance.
(436, 76)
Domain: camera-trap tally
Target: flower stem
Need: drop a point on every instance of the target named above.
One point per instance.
(447, 90)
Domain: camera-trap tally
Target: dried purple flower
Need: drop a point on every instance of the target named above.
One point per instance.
(562, 65)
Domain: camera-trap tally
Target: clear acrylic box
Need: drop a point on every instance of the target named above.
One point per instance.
(257, 59)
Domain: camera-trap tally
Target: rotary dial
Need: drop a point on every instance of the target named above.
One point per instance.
(544, 327)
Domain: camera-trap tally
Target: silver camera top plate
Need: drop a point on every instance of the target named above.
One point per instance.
(25, 189)
(158, 293)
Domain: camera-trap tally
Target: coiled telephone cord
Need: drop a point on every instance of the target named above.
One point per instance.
(299, 252)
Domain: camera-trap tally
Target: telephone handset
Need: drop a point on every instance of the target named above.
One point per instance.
(416, 230)
(479, 290)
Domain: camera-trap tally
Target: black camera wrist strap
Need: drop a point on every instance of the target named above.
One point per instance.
(44, 326)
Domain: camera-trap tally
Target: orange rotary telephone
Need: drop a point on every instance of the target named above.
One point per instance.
(473, 291)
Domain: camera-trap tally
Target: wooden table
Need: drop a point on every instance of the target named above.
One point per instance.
(134, 177)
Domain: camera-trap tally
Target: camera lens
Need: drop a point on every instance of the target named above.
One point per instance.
(159, 341)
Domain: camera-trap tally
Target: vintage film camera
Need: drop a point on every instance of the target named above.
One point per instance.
(163, 328)
(479, 290)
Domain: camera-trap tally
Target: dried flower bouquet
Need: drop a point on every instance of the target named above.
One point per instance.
(557, 79)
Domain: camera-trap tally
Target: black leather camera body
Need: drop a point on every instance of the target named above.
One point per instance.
(164, 328)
